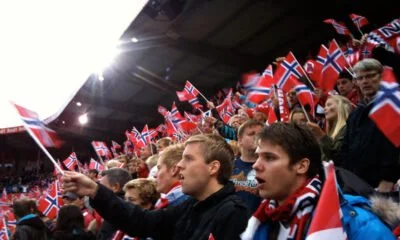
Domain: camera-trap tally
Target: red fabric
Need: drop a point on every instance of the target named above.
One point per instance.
(354, 96)
(396, 231)
(286, 212)
(87, 217)
(143, 170)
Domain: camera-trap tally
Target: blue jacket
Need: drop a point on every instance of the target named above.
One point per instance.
(358, 221)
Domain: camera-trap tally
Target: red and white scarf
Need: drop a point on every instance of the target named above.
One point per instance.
(173, 194)
(295, 211)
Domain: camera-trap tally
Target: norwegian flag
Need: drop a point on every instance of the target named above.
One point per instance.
(195, 103)
(339, 26)
(128, 147)
(289, 67)
(115, 147)
(32, 123)
(352, 57)
(249, 80)
(261, 90)
(161, 128)
(387, 107)
(11, 221)
(319, 63)
(3, 228)
(50, 204)
(4, 201)
(358, 20)
(225, 110)
(101, 148)
(387, 36)
(96, 165)
(162, 110)
(175, 114)
(326, 222)
(189, 92)
(305, 96)
(71, 162)
(192, 118)
(334, 65)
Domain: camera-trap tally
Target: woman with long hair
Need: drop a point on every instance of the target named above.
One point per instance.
(337, 110)
(70, 225)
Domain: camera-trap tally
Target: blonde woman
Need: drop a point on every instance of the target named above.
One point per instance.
(337, 110)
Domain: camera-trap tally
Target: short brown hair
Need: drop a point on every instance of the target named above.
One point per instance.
(172, 155)
(215, 147)
(297, 141)
(248, 124)
(146, 189)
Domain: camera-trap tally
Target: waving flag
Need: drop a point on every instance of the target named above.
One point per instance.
(387, 36)
(319, 63)
(4, 201)
(387, 107)
(335, 63)
(95, 165)
(3, 228)
(261, 90)
(189, 92)
(50, 204)
(289, 67)
(195, 103)
(115, 147)
(225, 110)
(305, 96)
(249, 80)
(44, 135)
(101, 148)
(358, 20)
(11, 222)
(71, 162)
(162, 110)
(326, 223)
(339, 26)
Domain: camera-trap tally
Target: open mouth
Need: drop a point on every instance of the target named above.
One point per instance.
(181, 177)
(260, 181)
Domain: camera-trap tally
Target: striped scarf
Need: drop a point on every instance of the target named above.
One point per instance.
(296, 211)
(172, 195)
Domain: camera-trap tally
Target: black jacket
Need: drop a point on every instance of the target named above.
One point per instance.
(366, 151)
(222, 214)
(108, 229)
(32, 228)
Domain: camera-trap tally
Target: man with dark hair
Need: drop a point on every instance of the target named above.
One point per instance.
(288, 171)
(113, 179)
(29, 225)
(347, 88)
(214, 212)
(244, 176)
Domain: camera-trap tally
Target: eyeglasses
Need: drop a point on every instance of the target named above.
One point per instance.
(366, 76)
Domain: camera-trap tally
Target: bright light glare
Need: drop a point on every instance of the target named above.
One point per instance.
(100, 76)
(78, 104)
(83, 119)
(49, 48)
(135, 40)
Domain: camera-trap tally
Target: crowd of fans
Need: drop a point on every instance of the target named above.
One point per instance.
(239, 179)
